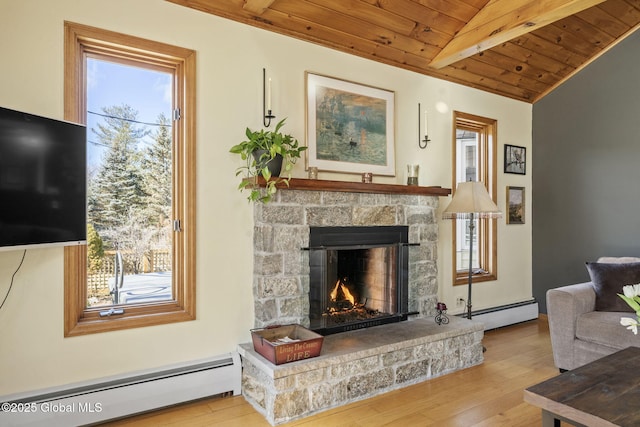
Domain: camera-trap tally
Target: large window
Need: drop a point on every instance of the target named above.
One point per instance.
(137, 99)
(474, 147)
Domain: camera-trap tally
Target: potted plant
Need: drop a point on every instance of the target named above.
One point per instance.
(266, 154)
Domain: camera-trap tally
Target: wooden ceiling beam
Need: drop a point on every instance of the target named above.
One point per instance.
(257, 6)
(502, 20)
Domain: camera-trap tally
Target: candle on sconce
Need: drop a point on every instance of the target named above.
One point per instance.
(269, 95)
(426, 123)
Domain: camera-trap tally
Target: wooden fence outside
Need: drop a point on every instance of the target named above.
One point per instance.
(152, 262)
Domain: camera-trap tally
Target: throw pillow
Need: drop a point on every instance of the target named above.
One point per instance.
(618, 259)
(608, 280)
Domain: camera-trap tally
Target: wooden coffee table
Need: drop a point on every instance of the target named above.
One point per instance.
(602, 393)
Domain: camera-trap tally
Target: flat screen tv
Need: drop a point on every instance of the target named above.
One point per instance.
(42, 181)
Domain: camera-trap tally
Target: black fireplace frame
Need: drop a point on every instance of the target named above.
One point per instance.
(322, 239)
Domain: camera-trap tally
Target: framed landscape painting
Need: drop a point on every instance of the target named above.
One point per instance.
(515, 205)
(350, 127)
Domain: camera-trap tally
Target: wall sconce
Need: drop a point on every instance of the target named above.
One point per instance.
(266, 100)
(422, 143)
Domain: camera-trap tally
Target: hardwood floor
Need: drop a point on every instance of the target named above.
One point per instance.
(487, 395)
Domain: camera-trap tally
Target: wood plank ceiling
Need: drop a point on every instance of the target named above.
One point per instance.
(521, 49)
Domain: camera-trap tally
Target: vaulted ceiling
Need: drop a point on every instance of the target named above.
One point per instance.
(521, 49)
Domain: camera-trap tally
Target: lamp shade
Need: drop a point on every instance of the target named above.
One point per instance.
(471, 198)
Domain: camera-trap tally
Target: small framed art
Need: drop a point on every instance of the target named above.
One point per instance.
(515, 159)
(515, 205)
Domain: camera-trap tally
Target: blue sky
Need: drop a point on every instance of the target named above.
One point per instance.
(109, 84)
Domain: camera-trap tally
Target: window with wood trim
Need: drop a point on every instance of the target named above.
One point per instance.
(474, 146)
(173, 139)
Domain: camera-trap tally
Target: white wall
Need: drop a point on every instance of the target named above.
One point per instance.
(230, 56)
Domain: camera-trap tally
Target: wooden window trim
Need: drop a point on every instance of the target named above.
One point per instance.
(487, 228)
(81, 41)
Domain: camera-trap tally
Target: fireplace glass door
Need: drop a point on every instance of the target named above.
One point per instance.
(357, 277)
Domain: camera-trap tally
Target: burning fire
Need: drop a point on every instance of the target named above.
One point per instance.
(343, 308)
(340, 287)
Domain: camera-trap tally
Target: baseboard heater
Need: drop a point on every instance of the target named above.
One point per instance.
(116, 397)
(506, 315)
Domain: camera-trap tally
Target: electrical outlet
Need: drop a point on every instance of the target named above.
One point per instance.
(460, 301)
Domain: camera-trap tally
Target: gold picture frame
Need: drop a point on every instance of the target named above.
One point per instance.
(350, 126)
(515, 205)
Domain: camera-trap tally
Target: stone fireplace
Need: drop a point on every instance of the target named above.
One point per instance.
(360, 362)
(282, 231)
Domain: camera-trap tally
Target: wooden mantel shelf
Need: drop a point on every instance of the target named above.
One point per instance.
(360, 187)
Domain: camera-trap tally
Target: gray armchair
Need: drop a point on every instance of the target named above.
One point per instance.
(579, 334)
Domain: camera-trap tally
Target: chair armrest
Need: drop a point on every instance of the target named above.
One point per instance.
(564, 305)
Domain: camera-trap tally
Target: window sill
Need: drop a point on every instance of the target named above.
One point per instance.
(463, 279)
(134, 317)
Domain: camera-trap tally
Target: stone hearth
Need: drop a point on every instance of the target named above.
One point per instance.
(359, 364)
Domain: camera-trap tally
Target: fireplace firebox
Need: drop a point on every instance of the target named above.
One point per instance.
(358, 277)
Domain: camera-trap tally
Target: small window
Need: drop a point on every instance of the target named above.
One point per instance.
(138, 267)
(474, 147)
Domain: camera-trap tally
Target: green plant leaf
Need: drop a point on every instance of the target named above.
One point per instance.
(631, 302)
(266, 174)
(280, 124)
